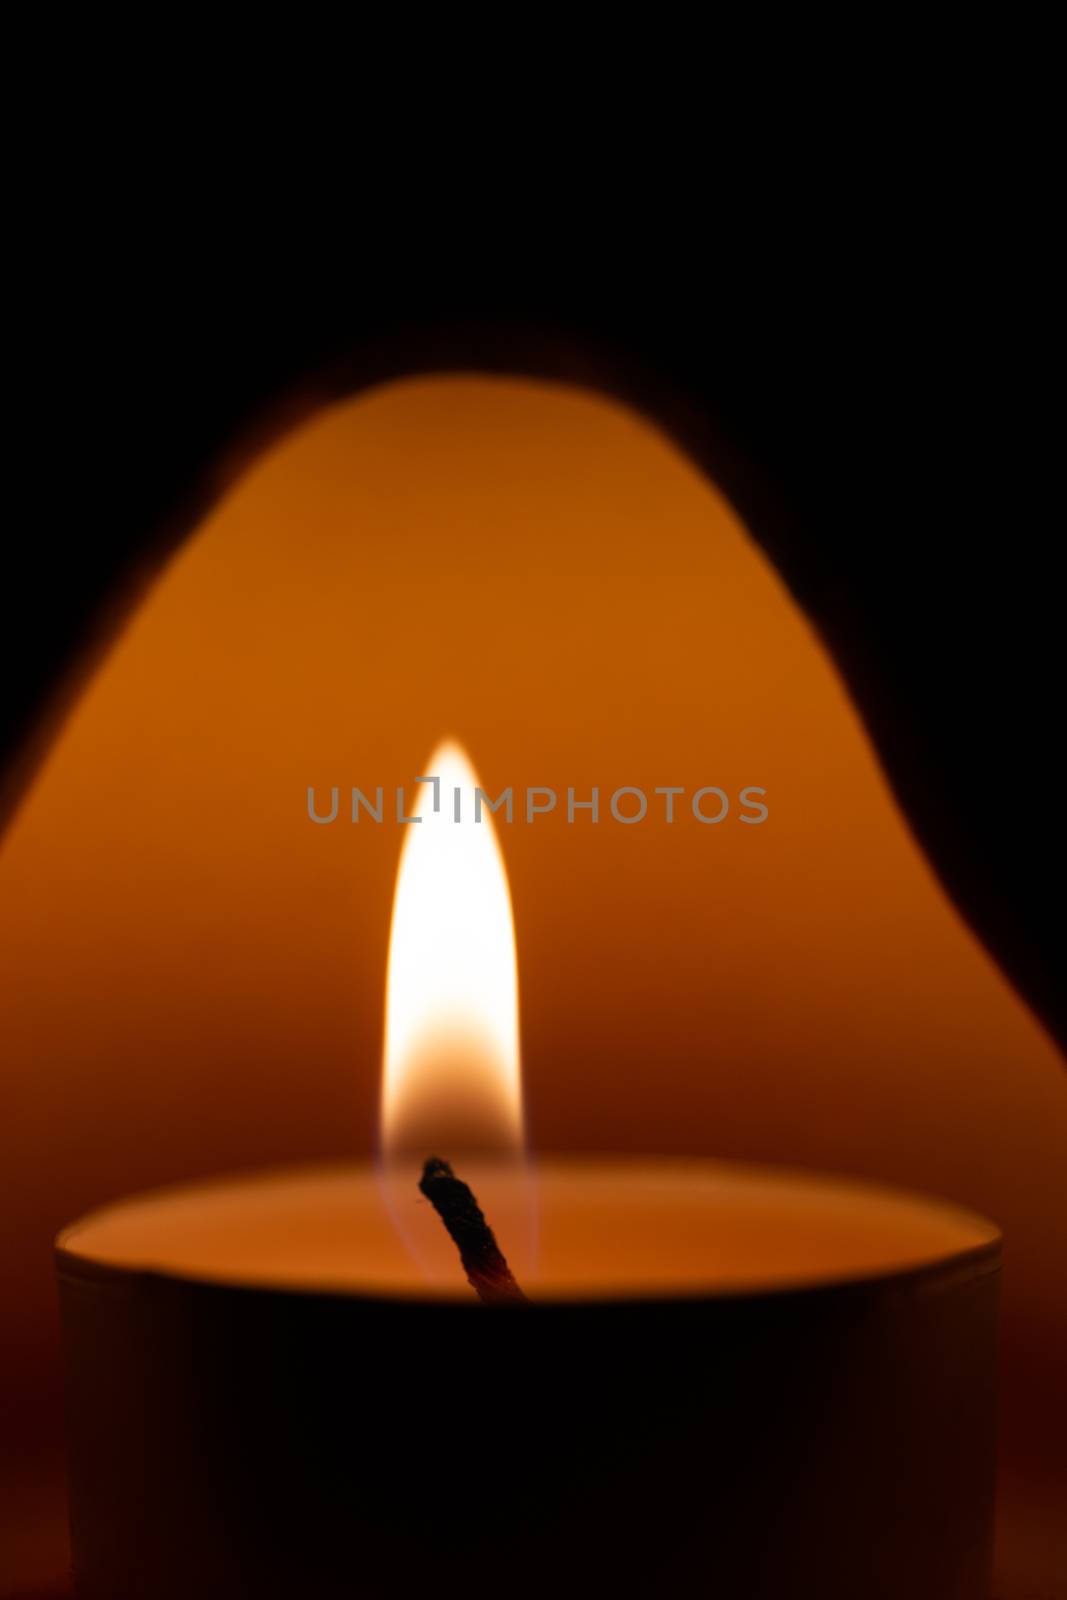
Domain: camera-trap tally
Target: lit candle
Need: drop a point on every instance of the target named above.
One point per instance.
(722, 1379)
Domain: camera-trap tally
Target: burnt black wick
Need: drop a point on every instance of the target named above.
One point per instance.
(487, 1271)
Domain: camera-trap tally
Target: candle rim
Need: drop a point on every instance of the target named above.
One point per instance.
(975, 1252)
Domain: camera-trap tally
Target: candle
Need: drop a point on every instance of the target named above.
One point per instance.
(727, 1380)
(718, 1378)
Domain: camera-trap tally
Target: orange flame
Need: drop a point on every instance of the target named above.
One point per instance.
(451, 1076)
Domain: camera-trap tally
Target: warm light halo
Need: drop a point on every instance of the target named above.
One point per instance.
(451, 1072)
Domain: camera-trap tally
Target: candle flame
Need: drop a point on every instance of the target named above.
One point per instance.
(451, 1082)
(451, 1078)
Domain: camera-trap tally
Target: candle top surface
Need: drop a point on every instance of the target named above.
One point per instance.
(606, 1229)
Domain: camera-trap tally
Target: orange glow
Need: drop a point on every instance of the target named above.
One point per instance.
(192, 973)
(450, 1077)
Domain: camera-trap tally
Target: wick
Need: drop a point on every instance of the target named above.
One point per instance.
(487, 1272)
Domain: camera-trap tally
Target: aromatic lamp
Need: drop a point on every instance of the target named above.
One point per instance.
(462, 1371)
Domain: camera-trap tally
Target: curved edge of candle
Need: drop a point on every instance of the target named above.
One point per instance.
(936, 1274)
(926, 1279)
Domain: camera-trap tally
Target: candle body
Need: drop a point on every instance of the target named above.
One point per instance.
(827, 1437)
